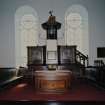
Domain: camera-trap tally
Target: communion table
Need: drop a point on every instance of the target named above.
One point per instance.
(53, 81)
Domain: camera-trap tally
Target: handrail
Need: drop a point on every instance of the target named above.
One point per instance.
(81, 54)
(99, 63)
(81, 58)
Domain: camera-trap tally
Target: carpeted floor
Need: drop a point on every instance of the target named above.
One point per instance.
(79, 91)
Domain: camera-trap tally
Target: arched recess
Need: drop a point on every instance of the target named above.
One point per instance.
(76, 28)
(26, 33)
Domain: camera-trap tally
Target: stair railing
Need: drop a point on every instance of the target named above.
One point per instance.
(99, 63)
(81, 58)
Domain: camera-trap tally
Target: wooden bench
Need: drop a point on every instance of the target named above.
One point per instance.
(6, 82)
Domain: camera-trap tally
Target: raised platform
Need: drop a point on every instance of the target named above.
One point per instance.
(53, 81)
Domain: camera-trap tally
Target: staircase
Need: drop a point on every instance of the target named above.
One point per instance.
(81, 59)
(81, 62)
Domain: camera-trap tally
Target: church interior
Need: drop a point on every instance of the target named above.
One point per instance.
(52, 52)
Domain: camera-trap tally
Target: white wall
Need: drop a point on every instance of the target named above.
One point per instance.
(8, 8)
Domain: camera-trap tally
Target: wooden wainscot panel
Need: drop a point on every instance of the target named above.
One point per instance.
(53, 84)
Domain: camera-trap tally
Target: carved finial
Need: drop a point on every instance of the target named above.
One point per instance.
(50, 12)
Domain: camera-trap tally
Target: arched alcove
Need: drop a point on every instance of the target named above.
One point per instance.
(76, 28)
(26, 33)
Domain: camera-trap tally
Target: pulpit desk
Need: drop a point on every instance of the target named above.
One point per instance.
(53, 81)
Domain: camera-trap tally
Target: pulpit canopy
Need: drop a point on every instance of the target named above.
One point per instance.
(51, 26)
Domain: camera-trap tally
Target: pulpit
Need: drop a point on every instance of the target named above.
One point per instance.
(57, 81)
(46, 61)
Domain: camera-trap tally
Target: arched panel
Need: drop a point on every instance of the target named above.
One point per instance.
(26, 32)
(76, 28)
